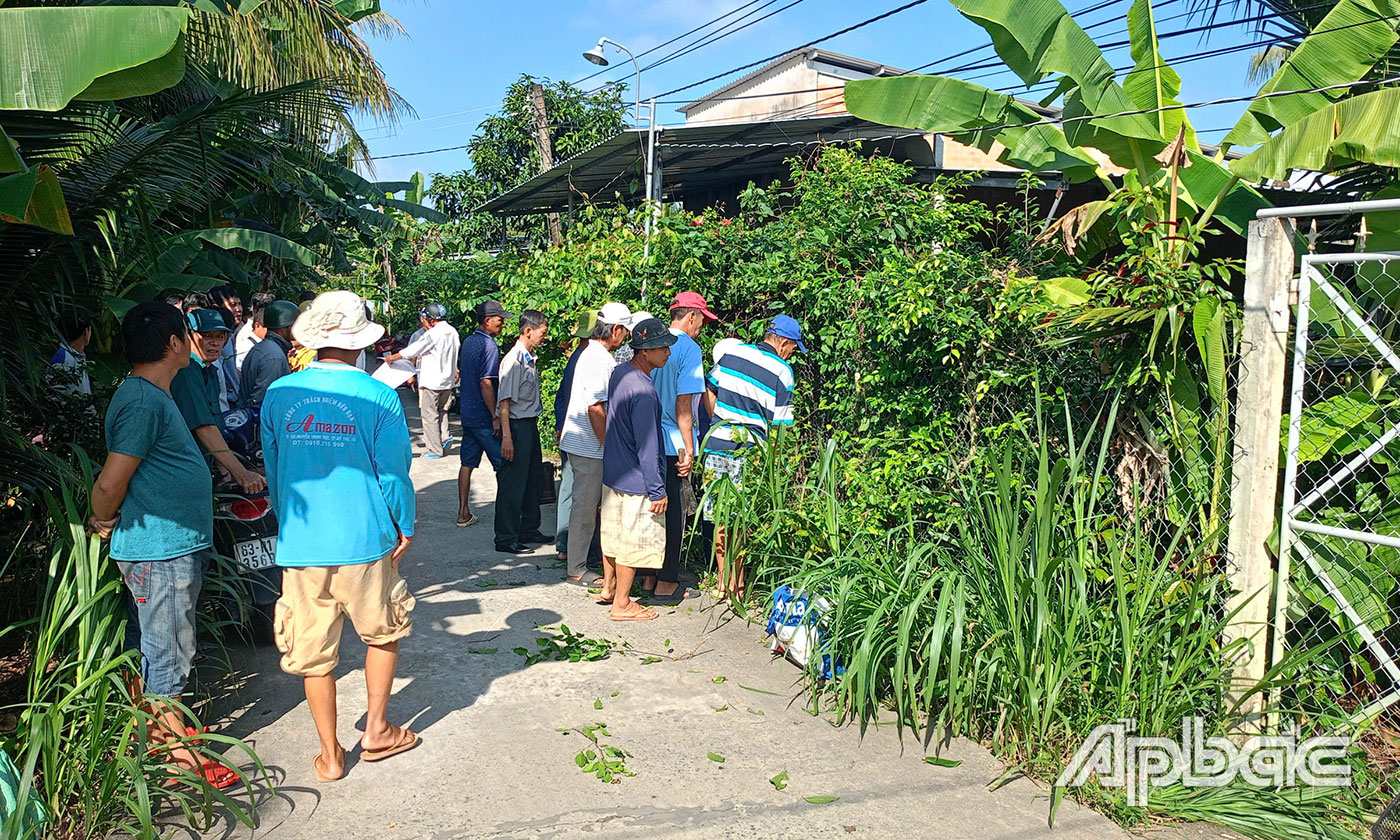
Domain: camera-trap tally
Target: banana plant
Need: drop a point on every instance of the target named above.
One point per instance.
(1039, 41)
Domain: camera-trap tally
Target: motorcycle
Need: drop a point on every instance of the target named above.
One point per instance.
(245, 530)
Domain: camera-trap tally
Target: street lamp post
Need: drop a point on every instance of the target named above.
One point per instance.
(596, 56)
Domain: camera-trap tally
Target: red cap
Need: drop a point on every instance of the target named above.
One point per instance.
(694, 300)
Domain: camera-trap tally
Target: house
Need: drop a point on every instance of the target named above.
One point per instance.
(748, 130)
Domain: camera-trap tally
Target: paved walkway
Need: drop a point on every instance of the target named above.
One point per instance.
(493, 763)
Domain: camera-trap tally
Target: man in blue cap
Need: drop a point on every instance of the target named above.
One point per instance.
(195, 390)
(748, 392)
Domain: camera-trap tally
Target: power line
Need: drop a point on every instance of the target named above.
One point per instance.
(663, 44)
(682, 53)
(839, 32)
(424, 152)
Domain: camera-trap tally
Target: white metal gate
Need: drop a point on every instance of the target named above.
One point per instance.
(1338, 597)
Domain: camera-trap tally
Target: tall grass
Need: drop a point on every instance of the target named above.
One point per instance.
(1036, 613)
(83, 741)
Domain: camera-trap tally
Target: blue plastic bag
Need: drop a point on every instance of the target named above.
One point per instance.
(797, 625)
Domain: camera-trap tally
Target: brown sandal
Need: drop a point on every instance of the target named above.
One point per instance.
(642, 614)
(407, 741)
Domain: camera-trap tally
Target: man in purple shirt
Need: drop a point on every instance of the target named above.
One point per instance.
(633, 517)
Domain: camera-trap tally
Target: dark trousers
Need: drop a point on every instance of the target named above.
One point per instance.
(517, 485)
(670, 570)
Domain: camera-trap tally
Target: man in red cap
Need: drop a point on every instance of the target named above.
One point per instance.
(679, 384)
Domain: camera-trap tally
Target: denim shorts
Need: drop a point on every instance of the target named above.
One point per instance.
(476, 440)
(161, 618)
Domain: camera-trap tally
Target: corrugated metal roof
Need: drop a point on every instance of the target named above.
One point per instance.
(692, 157)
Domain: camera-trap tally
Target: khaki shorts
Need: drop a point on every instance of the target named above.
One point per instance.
(315, 601)
(631, 534)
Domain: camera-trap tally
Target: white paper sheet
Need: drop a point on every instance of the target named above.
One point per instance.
(395, 373)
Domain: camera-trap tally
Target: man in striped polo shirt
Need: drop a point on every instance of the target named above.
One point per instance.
(749, 391)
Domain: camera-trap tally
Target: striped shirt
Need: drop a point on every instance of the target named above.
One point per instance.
(753, 392)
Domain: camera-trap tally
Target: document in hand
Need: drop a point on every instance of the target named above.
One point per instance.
(395, 373)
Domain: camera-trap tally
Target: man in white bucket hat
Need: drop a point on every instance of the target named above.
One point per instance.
(337, 451)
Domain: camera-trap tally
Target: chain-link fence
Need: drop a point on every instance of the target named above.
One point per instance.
(1339, 534)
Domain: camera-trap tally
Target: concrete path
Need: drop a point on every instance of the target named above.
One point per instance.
(493, 763)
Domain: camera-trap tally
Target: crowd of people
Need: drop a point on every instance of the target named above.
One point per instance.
(636, 418)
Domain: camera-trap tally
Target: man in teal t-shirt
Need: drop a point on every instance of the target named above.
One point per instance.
(337, 452)
(154, 499)
(196, 389)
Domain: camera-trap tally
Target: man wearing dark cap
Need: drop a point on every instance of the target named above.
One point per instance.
(479, 370)
(679, 384)
(633, 516)
(267, 361)
(195, 390)
(434, 351)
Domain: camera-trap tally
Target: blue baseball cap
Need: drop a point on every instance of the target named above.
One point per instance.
(785, 326)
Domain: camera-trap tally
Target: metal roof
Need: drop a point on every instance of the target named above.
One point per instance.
(692, 158)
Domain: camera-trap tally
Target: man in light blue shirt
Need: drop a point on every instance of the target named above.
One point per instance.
(679, 385)
(337, 451)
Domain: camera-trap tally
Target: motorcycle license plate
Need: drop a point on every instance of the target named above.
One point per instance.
(254, 555)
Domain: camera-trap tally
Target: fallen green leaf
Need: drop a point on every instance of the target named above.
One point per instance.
(598, 704)
(779, 781)
(820, 800)
(754, 711)
(759, 690)
(614, 694)
(716, 757)
(941, 762)
(718, 679)
(484, 651)
(722, 709)
(650, 660)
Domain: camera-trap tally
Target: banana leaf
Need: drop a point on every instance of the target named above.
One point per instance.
(1152, 84)
(1039, 38)
(357, 9)
(52, 55)
(1350, 40)
(952, 106)
(1201, 184)
(184, 247)
(35, 198)
(1361, 129)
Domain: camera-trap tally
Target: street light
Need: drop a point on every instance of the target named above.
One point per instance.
(597, 57)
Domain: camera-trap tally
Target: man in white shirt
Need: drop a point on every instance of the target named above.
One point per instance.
(435, 354)
(585, 428)
(245, 338)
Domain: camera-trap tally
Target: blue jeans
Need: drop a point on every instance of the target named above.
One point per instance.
(160, 620)
(476, 440)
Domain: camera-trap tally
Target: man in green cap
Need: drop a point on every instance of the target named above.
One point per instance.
(267, 361)
(195, 390)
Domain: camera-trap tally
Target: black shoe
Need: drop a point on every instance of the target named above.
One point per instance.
(515, 548)
(537, 537)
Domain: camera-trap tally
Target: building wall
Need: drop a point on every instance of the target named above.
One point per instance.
(816, 94)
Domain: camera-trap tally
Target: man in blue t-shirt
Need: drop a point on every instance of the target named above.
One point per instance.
(632, 518)
(338, 456)
(478, 371)
(154, 499)
(679, 384)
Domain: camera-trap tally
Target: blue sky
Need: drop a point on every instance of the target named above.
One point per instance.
(458, 56)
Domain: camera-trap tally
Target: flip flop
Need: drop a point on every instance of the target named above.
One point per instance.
(322, 777)
(674, 599)
(470, 520)
(604, 601)
(644, 614)
(583, 581)
(402, 746)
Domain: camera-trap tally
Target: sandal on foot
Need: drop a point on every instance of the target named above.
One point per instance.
(642, 614)
(675, 598)
(587, 581)
(470, 520)
(407, 741)
(606, 600)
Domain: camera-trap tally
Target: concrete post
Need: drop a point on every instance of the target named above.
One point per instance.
(1254, 505)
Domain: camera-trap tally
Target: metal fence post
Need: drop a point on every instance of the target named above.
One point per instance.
(1269, 267)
